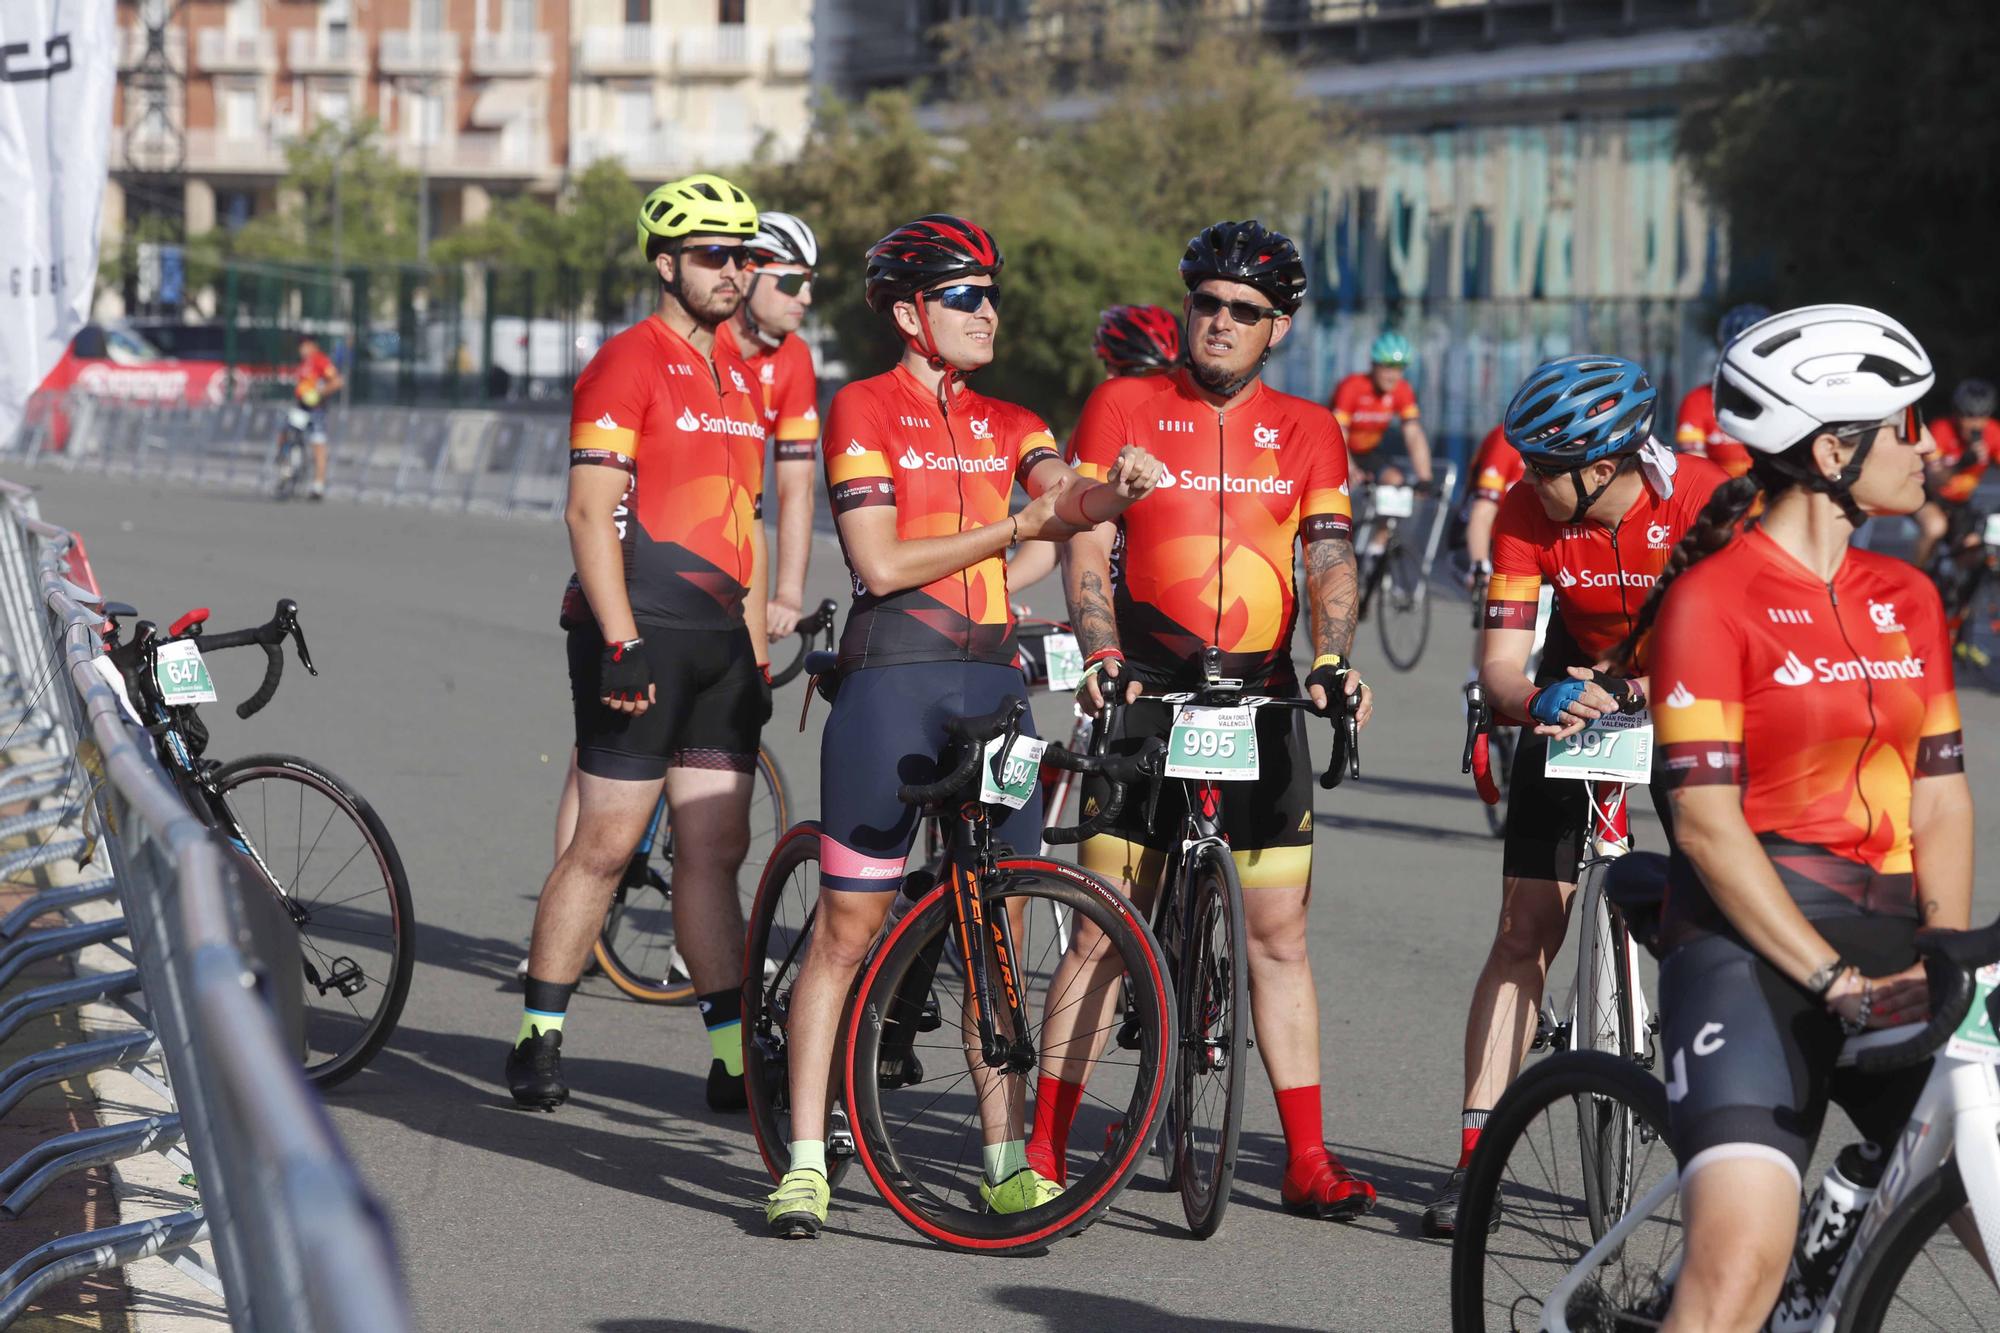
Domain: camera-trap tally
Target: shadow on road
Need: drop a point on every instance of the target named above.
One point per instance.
(1396, 828)
(1094, 1312)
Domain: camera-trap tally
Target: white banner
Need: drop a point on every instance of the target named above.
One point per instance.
(58, 65)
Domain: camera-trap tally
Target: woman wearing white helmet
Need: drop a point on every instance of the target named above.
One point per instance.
(1810, 737)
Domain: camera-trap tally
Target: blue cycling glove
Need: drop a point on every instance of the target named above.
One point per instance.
(1546, 705)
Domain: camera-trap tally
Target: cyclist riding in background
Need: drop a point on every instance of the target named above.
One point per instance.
(1251, 474)
(668, 654)
(1130, 340)
(1695, 430)
(1368, 407)
(318, 380)
(1810, 734)
(920, 470)
(764, 333)
(1966, 443)
(1602, 506)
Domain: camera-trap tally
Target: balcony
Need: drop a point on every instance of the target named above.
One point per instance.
(479, 156)
(221, 51)
(217, 152)
(792, 53)
(725, 51)
(420, 53)
(336, 51)
(132, 48)
(500, 55)
(667, 151)
(631, 49)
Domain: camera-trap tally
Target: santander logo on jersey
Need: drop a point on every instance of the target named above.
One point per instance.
(689, 422)
(1680, 696)
(1197, 481)
(1833, 671)
(916, 462)
(1590, 578)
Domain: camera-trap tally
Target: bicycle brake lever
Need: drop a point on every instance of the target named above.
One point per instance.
(305, 654)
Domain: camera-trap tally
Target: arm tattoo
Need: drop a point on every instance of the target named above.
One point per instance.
(1334, 587)
(1096, 625)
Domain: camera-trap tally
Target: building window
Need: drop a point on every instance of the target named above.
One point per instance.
(639, 13)
(334, 107)
(428, 16)
(518, 15)
(730, 11)
(239, 113)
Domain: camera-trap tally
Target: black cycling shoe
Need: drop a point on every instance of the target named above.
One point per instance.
(534, 1072)
(725, 1090)
(1441, 1218)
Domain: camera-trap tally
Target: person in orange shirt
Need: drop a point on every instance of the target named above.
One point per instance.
(1966, 443)
(1695, 431)
(1369, 407)
(318, 380)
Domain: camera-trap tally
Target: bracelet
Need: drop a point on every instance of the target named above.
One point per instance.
(1859, 1024)
(1015, 539)
(1334, 660)
(1083, 510)
(1103, 655)
(1822, 979)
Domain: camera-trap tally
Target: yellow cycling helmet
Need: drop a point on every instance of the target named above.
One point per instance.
(701, 204)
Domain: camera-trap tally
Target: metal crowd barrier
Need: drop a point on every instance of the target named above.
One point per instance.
(299, 1244)
(510, 462)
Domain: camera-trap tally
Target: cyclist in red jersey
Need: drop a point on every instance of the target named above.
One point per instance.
(921, 470)
(1369, 406)
(1496, 466)
(764, 332)
(668, 655)
(318, 379)
(1252, 474)
(1810, 732)
(1600, 511)
(1966, 442)
(1695, 430)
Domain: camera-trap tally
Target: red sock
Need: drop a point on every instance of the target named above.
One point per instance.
(1056, 1101)
(1299, 1113)
(1468, 1139)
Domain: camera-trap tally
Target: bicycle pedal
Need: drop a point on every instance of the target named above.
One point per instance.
(346, 977)
(930, 1020)
(1128, 1034)
(839, 1137)
(898, 1071)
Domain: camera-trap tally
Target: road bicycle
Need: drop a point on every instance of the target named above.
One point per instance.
(1396, 551)
(635, 948)
(289, 462)
(1919, 1255)
(306, 836)
(941, 1037)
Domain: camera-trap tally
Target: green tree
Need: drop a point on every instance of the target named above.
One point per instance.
(343, 166)
(1854, 147)
(587, 229)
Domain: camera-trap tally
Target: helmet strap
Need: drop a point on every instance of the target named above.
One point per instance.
(1226, 389)
(757, 331)
(1840, 487)
(1585, 499)
(926, 346)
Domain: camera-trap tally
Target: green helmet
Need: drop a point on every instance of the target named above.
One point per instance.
(1390, 349)
(696, 205)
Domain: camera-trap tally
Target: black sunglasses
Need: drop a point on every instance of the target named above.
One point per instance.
(716, 256)
(1548, 471)
(965, 297)
(1243, 312)
(791, 284)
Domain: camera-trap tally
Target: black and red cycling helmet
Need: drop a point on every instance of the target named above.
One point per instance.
(937, 248)
(1247, 252)
(1138, 339)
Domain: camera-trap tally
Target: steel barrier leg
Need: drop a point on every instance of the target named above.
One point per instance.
(17, 1010)
(86, 1057)
(46, 854)
(92, 1252)
(131, 1141)
(39, 1156)
(40, 944)
(54, 900)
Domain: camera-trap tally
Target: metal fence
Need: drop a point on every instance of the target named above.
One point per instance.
(298, 1242)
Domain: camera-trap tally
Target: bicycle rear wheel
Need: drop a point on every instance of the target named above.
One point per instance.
(1524, 1221)
(1212, 981)
(636, 946)
(923, 1101)
(1501, 742)
(780, 929)
(320, 846)
(1404, 624)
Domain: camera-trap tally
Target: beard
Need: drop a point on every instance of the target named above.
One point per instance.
(713, 310)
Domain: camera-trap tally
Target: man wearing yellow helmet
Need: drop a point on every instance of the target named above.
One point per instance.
(668, 654)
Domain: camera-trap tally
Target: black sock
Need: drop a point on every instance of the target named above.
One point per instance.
(549, 997)
(722, 1015)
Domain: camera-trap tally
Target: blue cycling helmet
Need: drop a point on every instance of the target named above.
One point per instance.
(1390, 349)
(1575, 410)
(1738, 318)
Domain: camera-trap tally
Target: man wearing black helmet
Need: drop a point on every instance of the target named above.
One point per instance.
(1208, 562)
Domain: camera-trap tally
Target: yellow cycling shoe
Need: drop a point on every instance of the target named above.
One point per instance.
(796, 1210)
(1025, 1189)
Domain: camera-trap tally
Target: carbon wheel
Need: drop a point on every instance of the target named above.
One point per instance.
(1212, 980)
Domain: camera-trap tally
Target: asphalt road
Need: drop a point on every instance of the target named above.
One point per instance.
(635, 1210)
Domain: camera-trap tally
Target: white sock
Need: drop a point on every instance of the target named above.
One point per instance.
(1004, 1159)
(809, 1155)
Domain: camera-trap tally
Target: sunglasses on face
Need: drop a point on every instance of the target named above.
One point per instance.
(1908, 425)
(1243, 312)
(791, 284)
(965, 297)
(1550, 470)
(716, 256)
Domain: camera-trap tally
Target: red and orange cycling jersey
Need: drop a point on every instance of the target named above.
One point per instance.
(1823, 703)
(1697, 433)
(1496, 467)
(788, 388)
(888, 443)
(1962, 466)
(315, 369)
(1601, 575)
(690, 437)
(1208, 557)
(1364, 412)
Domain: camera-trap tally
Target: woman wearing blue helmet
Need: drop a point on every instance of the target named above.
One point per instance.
(1695, 429)
(1595, 518)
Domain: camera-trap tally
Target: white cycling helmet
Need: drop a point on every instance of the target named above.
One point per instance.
(1784, 377)
(784, 239)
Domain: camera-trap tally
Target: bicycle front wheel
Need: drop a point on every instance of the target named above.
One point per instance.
(321, 848)
(636, 947)
(1921, 1273)
(1602, 1020)
(1501, 742)
(1212, 981)
(1405, 621)
(923, 1097)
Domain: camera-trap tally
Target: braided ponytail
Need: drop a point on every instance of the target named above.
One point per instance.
(1713, 529)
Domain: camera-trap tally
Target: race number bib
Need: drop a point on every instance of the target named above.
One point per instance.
(1018, 772)
(1993, 529)
(1065, 659)
(182, 675)
(1976, 1038)
(1215, 744)
(1395, 502)
(1615, 748)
